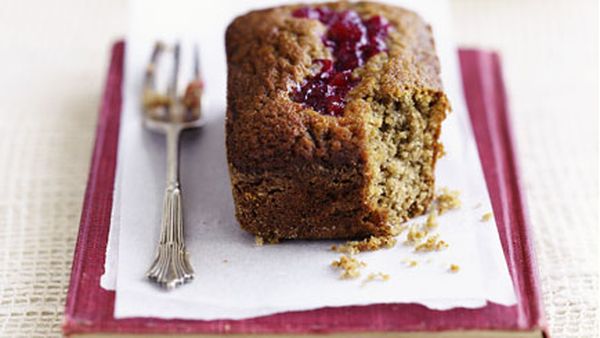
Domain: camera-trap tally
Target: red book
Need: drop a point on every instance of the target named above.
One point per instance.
(89, 308)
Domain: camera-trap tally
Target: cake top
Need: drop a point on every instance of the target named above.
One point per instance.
(283, 38)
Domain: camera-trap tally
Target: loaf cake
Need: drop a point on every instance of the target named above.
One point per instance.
(334, 112)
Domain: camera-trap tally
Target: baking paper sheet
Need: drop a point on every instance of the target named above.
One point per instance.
(234, 277)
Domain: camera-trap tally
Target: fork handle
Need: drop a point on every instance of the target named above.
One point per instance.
(171, 266)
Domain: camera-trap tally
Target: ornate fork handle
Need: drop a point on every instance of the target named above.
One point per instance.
(171, 267)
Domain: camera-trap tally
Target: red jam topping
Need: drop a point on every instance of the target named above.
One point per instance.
(352, 41)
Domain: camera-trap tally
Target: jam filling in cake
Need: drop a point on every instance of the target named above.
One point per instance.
(352, 41)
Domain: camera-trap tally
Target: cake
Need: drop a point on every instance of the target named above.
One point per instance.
(334, 112)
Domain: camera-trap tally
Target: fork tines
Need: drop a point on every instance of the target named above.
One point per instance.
(171, 106)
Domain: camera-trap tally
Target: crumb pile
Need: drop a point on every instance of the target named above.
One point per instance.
(447, 200)
(418, 235)
(349, 266)
(432, 243)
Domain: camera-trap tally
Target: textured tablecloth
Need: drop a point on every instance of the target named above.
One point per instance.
(53, 58)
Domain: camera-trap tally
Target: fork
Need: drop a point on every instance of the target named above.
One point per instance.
(171, 114)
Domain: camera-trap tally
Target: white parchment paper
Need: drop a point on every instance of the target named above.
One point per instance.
(235, 278)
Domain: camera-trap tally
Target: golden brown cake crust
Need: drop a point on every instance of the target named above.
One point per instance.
(299, 174)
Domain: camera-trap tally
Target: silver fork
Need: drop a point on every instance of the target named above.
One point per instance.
(171, 114)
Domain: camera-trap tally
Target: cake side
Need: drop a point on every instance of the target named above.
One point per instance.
(297, 173)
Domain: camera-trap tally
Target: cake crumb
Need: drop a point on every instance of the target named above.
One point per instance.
(431, 222)
(152, 100)
(441, 151)
(441, 245)
(447, 200)
(433, 243)
(371, 243)
(260, 241)
(376, 276)
(396, 230)
(349, 265)
(415, 234)
(454, 268)
(486, 217)
(411, 263)
(345, 248)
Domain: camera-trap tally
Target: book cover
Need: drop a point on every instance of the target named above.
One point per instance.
(89, 308)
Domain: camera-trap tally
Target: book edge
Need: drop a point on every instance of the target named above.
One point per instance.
(516, 237)
(535, 299)
(112, 87)
(536, 333)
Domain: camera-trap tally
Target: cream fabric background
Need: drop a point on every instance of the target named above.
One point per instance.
(53, 58)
